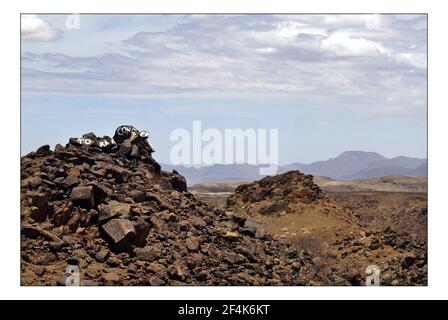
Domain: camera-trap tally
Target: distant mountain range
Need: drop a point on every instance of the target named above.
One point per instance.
(349, 165)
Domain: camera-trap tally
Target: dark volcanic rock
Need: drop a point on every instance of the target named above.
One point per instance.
(137, 195)
(147, 254)
(69, 182)
(83, 196)
(254, 228)
(102, 256)
(44, 150)
(120, 233)
(178, 182)
(113, 210)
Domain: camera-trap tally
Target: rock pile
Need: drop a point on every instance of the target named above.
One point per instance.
(292, 186)
(282, 194)
(103, 206)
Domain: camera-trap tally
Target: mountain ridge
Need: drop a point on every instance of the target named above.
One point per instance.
(347, 166)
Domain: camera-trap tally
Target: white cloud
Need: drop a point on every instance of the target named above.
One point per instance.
(285, 31)
(35, 28)
(342, 44)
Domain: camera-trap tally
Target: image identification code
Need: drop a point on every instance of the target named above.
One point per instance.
(226, 309)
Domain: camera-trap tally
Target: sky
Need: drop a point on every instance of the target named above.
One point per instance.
(328, 83)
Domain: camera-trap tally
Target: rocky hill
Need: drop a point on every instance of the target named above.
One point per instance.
(293, 201)
(104, 207)
(342, 239)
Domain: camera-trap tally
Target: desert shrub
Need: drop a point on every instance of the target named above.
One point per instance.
(307, 242)
(323, 259)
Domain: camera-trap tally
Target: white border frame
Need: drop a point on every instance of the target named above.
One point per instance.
(10, 190)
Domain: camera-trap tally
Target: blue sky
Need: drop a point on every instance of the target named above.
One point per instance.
(328, 83)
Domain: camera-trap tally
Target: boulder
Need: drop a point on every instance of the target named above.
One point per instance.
(408, 261)
(69, 182)
(120, 233)
(124, 132)
(135, 152)
(113, 210)
(105, 143)
(247, 252)
(37, 214)
(34, 182)
(89, 135)
(102, 255)
(142, 228)
(125, 149)
(83, 196)
(120, 174)
(62, 215)
(43, 151)
(232, 235)
(32, 232)
(151, 196)
(137, 195)
(178, 182)
(254, 228)
(73, 222)
(353, 277)
(40, 208)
